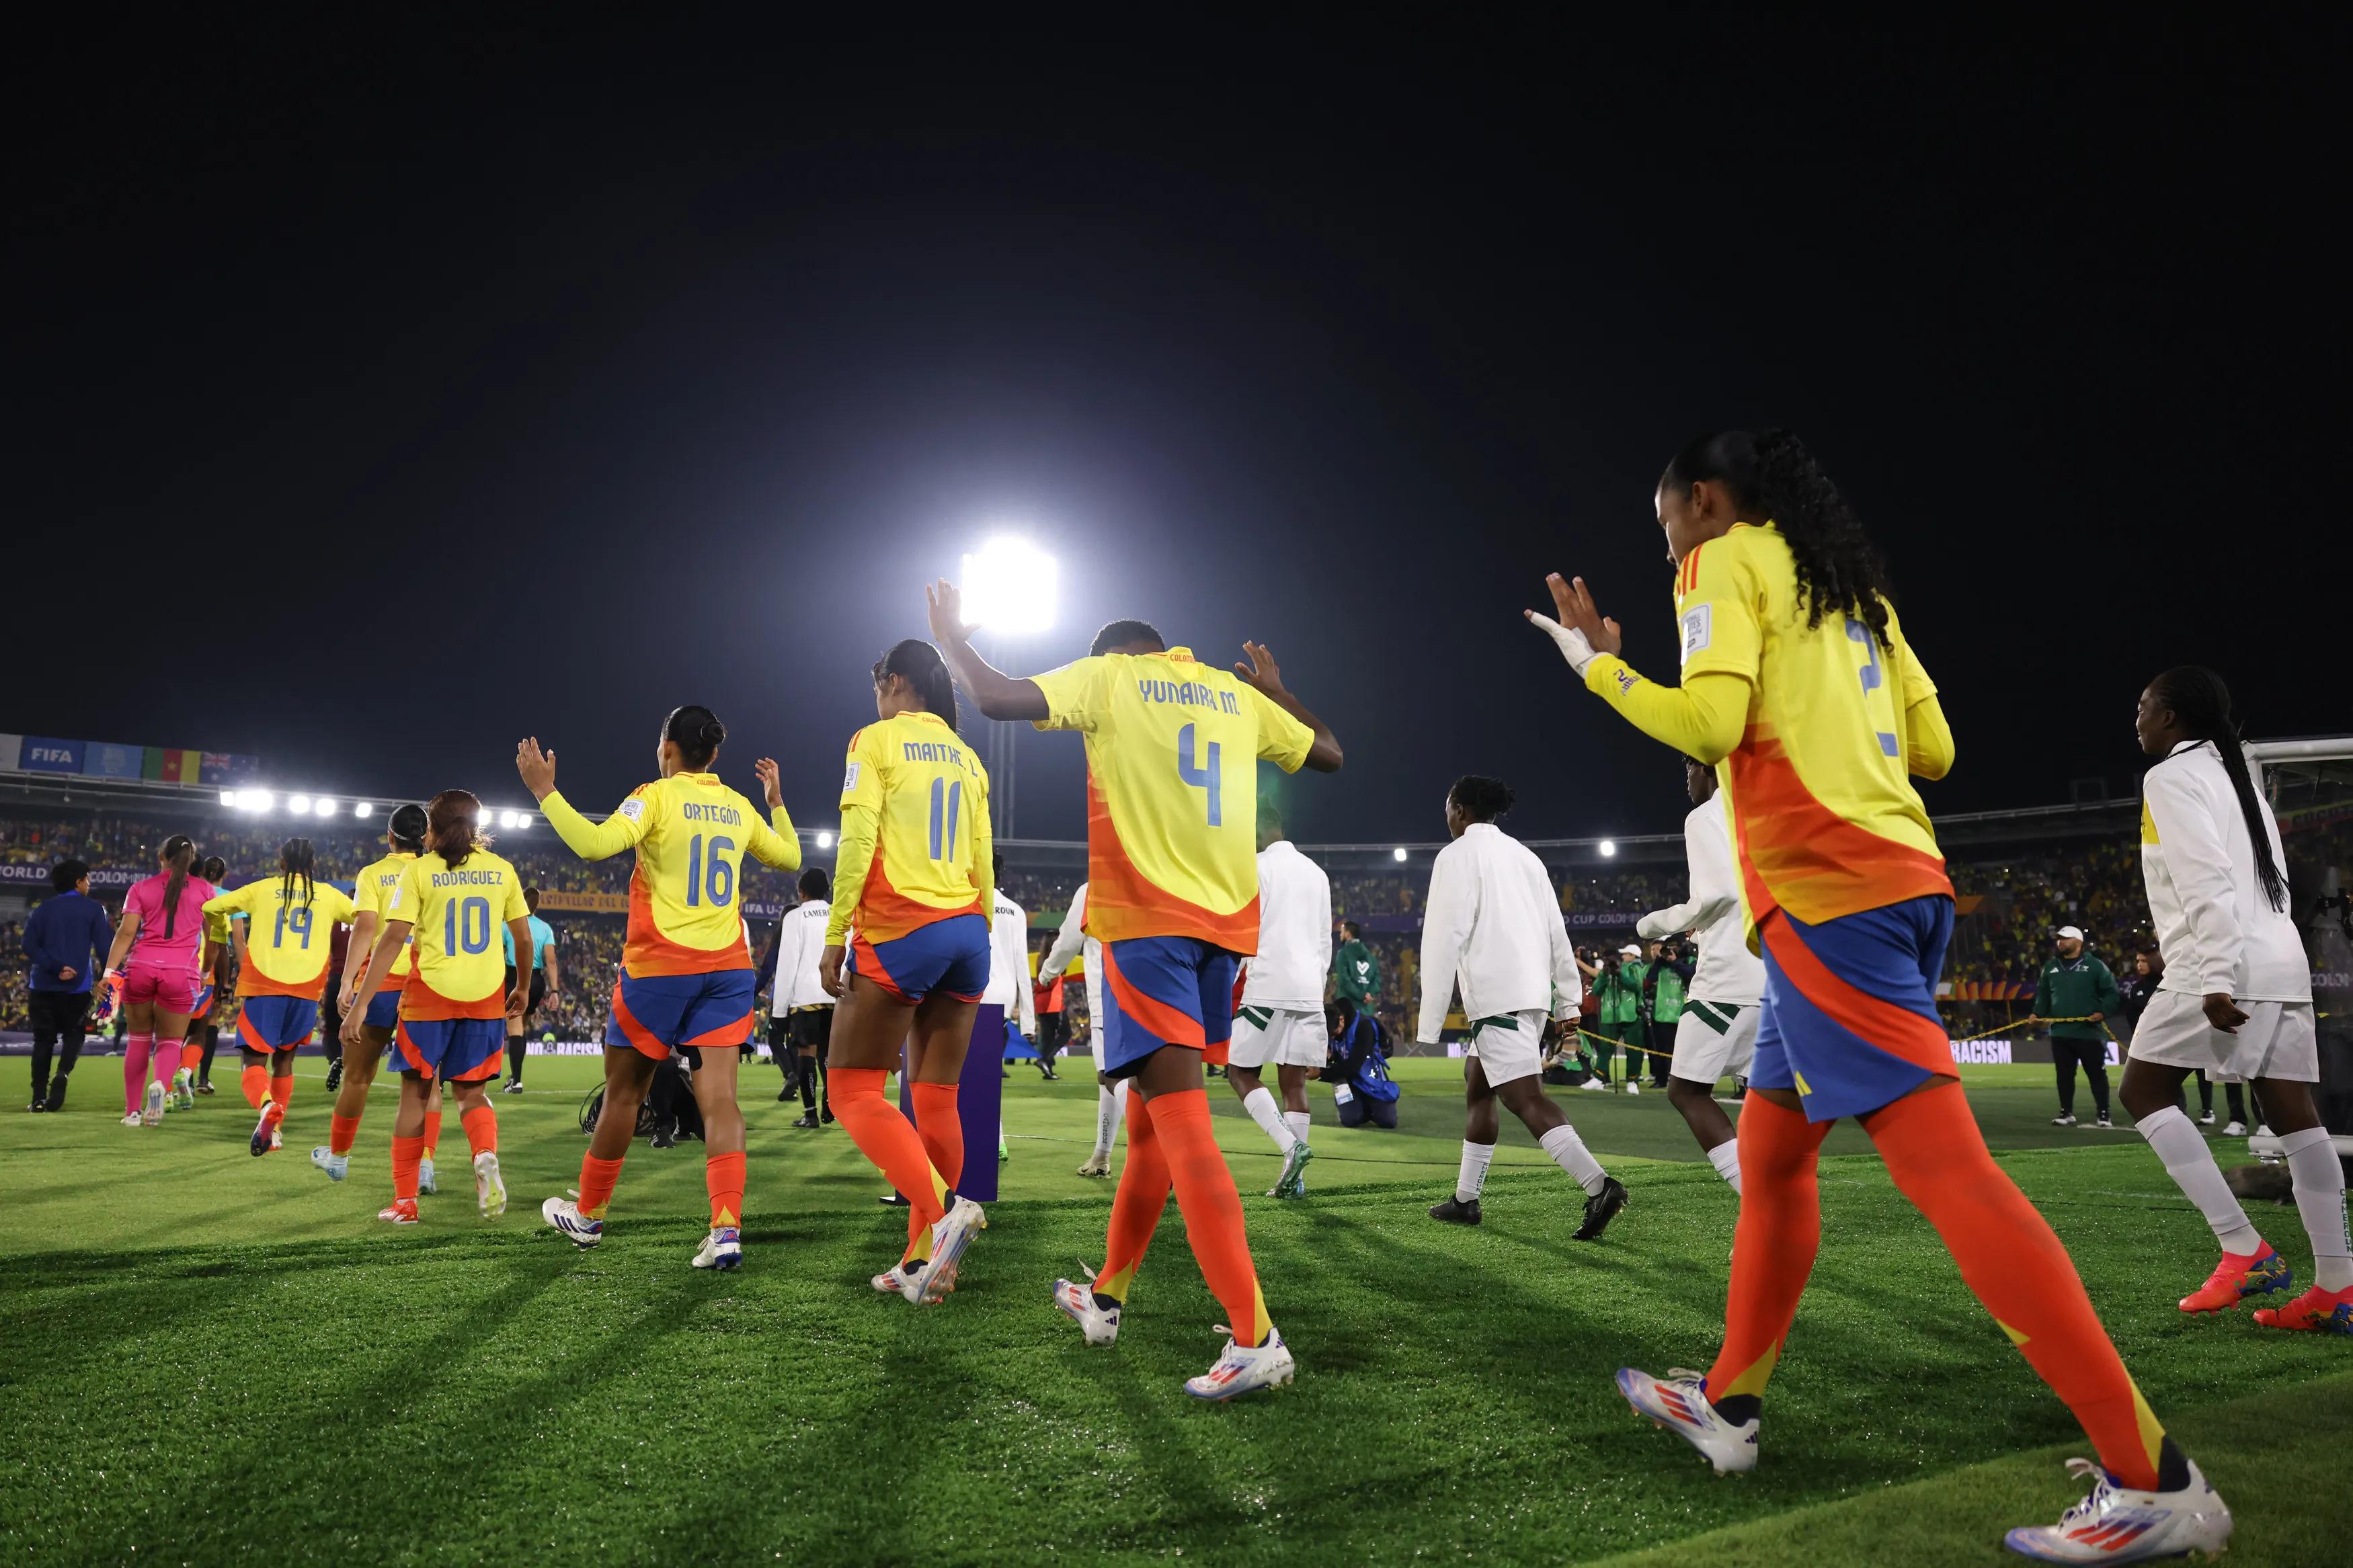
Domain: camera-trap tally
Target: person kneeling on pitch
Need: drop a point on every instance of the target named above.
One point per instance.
(1362, 1090)
(1492, 925)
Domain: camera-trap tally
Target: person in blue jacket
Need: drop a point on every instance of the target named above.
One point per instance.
(1363, 1091)
(65, 941)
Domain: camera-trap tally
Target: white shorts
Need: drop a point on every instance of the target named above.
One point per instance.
(1712, 1040)
(1510, 1046)
(2279, 1039)
(1277, 1035)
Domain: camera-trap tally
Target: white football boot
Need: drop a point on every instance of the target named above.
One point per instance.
(1098, 1164)
(565, 1214)
(927, 1283)
(425, 1181)
(337, 1166)
(1679, 1401)
(1242, 1368)
(1077, 1302)
(723, 1249)
(490, 1189)
(2117, 1524)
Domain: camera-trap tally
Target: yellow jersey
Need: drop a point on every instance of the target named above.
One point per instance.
(1825, 820)
(289, 940)
(454, 914)
(915, 846)
(1173, 747)
(371, 893)
(690, 833)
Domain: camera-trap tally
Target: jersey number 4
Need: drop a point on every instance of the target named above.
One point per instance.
(1202, 772)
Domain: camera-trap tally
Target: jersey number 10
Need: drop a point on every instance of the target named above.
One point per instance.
(466, 925)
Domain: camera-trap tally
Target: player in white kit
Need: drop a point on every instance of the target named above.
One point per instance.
(1110, 1098)
(1008, 961)
(801, 1002)
(1717, 1032)
(2236, 1000)
(1491, 927)
(1280, 1016)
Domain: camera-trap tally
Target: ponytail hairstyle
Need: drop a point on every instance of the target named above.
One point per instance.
(296, 858)
(450, 830)
(697, 731)
(1771, 476)
(213, 869)
(920, 664)
(407, 828)
(179, 852)
(2201, 708)
(1480, 799)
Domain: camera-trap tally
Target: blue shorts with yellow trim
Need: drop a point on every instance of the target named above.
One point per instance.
(950, 955)
(1166, 990)
(1850, 1017)
(276, 1023)
(654, 1014)
(383, 1010)
(456, 1051)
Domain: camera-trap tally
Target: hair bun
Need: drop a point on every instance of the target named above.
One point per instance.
(714, 732)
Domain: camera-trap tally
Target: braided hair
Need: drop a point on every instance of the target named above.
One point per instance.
(2201, 707)
(179, 852)
(296, 860)
(1772, 476)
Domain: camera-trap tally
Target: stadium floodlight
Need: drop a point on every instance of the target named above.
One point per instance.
(1397, 853)
(1009, 587)
(229, 797)
(300, 805)
(323, 806)
(362, 809)
(825, 839)
(523, 819)
(509, 819)
(1609, 848)
(259, 800)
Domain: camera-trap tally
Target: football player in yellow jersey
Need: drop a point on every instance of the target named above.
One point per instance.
(454, 1007)
(907, 952)
(195, 1074)
(1173, 749)
(379, 1012)
(687, 979)
(1798, 687)
(281, 949)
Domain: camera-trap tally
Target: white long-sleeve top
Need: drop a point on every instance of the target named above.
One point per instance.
(1072, 941)
(1727, 972)
(1009, 964)
(2214, 926)
(1492, 926)
(1295, 933)
(800, 942)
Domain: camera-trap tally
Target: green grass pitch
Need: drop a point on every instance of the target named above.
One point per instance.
(210, 1358)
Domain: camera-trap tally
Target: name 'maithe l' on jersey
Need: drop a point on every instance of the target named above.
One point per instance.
(1825, 820)
(289, 939)
(1173, 747)
(454, 914)
(691, 833)
(915, 845)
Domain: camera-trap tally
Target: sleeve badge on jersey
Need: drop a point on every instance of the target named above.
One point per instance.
(633, 808)
(1627, 680)
(849, 778)
(1697, 625)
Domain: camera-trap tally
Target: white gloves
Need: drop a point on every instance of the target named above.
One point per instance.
(1573, 645)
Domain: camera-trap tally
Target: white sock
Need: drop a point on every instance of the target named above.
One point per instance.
(1725, 1158)
(1569, 1151)
(1264, 1110)
(1472, 1178)
(2319, 1179)
(1108, 1109)
(1299, 1121)
(2191, 1165)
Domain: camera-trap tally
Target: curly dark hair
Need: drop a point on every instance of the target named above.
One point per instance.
(1480, 799)
(1772, 477)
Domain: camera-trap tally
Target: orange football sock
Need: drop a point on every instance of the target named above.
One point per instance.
(481, 1125)
(342, 1132)
(940, 1129)
(1136, 1206)
(255, 1083)
(597, 1180)
(722, 1175)
(1773, 1248)
(2016, 1266)
(406, 1153)
(1212, 1210)
(888, 1138)
(432, 1132)
(191, 1055)
(281, 1089)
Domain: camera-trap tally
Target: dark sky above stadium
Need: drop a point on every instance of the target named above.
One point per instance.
(379, 397)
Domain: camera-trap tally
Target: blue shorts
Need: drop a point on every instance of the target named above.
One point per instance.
(1166, 990)
(1850, 1017)
(657, 1014)
(383, 1010)
(950, 955)
(276, 1023)
(456, 1051)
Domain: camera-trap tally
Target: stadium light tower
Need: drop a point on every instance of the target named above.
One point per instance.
(1009, 588)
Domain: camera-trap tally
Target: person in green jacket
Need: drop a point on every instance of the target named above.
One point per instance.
(1356, 973)
(1665, 972)
(1617, 984)
(2076, 985)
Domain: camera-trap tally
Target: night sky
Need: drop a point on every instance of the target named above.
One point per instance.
(374, 400)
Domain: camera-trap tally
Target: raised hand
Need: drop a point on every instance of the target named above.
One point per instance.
(1260, 672)
(537, 768)
(767, 768)
(944, 608)
(1582, 632)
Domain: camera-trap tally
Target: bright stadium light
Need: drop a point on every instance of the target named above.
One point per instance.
(362, 809)
(259, 800)
(300, 805)
(323, 806)
(1609, 848)
(825, 839)
(523, 819)
(509, 819)
(1009, 587)
(1397, 853)
(229, 797)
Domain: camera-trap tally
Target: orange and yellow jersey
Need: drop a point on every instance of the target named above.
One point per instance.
(690, 833)
(290, 938)
(1825, 820)
(916, 840)
(454, 914)
(1173, 747)
(372, 894)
